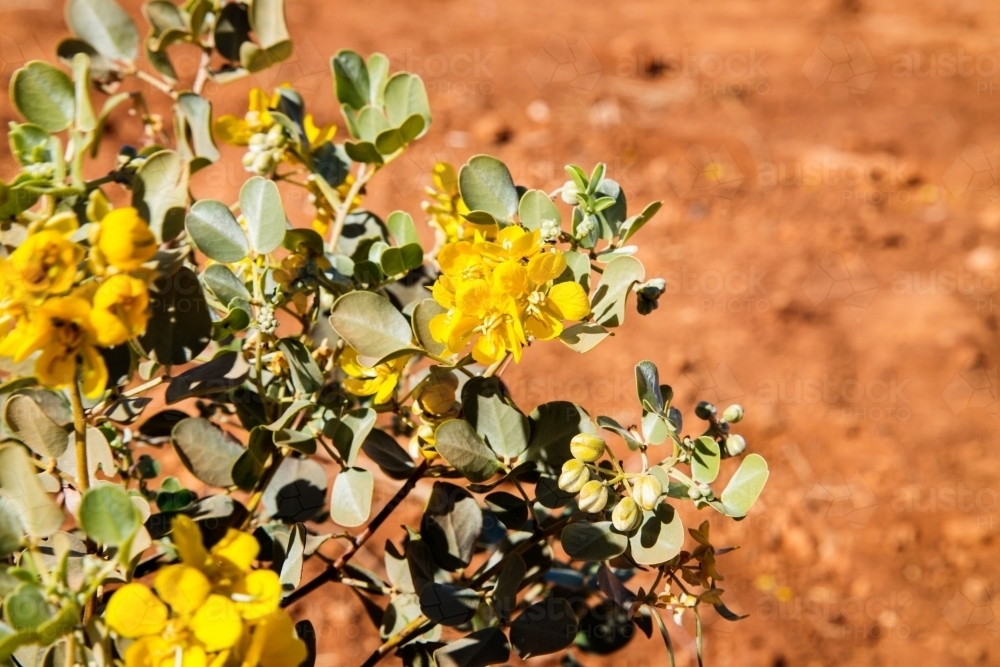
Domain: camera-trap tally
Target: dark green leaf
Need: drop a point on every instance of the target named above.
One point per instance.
(462, 447)
(593, 541)
(107, 515)
(180, 325)
(544, 627)
(450, 526)
(484, 647)
(448, 605)
(223, 373)
(306, 376)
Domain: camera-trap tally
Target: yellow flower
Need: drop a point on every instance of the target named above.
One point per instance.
(62, 330)
(447, 208)
(513, 242)
(364, 381)
(208, 610)
(121, 310)
(237, 131)
(258, 120)
(499, 293)
(125, 240)
(44, 264)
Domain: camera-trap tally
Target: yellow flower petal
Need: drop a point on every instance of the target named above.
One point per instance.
(264, 586)
(187, 541)
(151, 651)
(125, 239)
(318, 136)
(217, 623)
(134, 611)
(570, 300)
(233, 131)
(182, 587)
(121, 310)
(278, 645)
(545, 267)
(238, 548)
(95, 372)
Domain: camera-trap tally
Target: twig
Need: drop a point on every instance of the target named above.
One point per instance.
(332, 572)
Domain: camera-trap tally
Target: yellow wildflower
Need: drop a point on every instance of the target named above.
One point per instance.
(120, 310)
(258, 120)
(547, 306)
(44, 264)
(513, 242)
(364, 381)
(447, 208)
(125, 240)
(209, 609)
(62, 330)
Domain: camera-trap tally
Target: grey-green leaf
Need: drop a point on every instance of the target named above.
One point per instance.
(29, 424)
(535, 208)
(660, 536)
(216, 233)
(462, 447)
(486, 185)
(351, 498)
(198, 113)
(43, 95)
(370, 324)
(745, 486)
(448, 605)
(503, 427)
(104, 25)
(260, 204)
(107, 515)
(351, 76)
(205, 450)
(611, 296)
(24, 495)
(488, 646)
(406, 96)
(160, 192)
(451, 524)
(423, 313)
(593, 541)
(544, 627)
(705, 461)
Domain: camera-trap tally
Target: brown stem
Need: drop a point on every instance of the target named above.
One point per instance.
(422, 624)
(80, 434)
(332, 572)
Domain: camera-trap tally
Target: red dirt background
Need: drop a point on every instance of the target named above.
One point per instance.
(829, 238)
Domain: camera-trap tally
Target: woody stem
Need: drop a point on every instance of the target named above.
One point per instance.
(80, 434)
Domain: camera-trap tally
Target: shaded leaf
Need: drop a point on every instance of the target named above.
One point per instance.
(205, 450)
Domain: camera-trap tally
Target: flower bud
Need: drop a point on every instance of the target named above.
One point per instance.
(735, 444)
(694, 493)
(586, 447)
(626, 516)
(569, 191)
(593, 496)
(704, 410)
(646, 490)
(733, 413)
(574, 475)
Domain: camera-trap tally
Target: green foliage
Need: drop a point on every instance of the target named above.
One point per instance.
(296, 359)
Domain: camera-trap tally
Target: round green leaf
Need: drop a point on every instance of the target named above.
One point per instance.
(43, 95)
(160, 192)
(486, 185)
(660, 536)
(612, 292)
(423, 313)
(261, 206)
(370, 324)
(29, 424)
(37, 512)
(224, 284)
(406, 96)
(351, 75)
(104, 25)
(503, 427)
(745, 486)
(205, 450)
(180, 325)
(593, 541)
(448, 605)
(107, 515)
(451, 524)
(488, 646)
(462, 447)
(544, 627)
(26, 608)
(535, 208)
(705, 462)
(351, 498)
(215, 231)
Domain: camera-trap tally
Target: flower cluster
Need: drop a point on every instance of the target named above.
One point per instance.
(266, 140)
(500, 294)
(55, 303)
(639, 492)
(209, 609)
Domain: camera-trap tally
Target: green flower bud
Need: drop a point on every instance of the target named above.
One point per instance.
(733, 413)
(586, 447)
(593, 496)
(574, 475)
(626, 516)
(646, 490)
(694, 493)
(735, 444)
